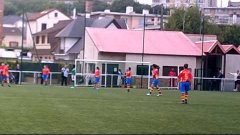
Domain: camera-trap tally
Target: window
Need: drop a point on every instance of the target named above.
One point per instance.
(44, 26)
(13, 44)
(43, 39)
(37, 40)
(142, 69)
(56, 14)
(46, 57)
(167, 69)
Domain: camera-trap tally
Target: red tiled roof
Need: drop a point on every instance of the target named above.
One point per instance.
(131, 41)
(209, 46)
(228, 48)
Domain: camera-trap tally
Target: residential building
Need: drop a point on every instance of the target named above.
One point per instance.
(12, 21)
(223, 15)
(12, 37)
(43, 20)
(185, 3)
(64, 40)
(233, 4)
(133, 20)
(1, 20)
(46, 43)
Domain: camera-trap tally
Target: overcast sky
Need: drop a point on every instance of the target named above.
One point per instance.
(225, 2)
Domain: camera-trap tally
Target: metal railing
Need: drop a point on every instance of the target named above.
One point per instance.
(111, 80)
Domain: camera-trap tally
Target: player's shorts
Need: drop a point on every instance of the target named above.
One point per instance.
(5, 77)
(128, 81)
(97, 80)
(73, 77)
(155, 82)
(45, 77)
(184, 87)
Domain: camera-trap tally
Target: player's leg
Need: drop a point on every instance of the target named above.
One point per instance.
(187, 88)
(156, 83)
(128, 84)
(150, 89)
(73, 79)
(8, 81)
(182, 90)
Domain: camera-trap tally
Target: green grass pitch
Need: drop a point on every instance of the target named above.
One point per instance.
(60, 110)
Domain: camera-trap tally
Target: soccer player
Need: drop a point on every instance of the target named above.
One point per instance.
(5, 75)
(155, 81)
(73, 76)
(97, 78)
(1, 70)
(185, 79)
(45, 74)
(128, 75)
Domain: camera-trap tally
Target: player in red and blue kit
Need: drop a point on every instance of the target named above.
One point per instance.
(185, 79)
(97, 78)
(45, 74)
(128, 75)
(155, 81)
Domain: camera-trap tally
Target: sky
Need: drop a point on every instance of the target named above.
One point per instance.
(224, 2)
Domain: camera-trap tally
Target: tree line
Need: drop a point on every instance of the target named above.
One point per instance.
(191, 21)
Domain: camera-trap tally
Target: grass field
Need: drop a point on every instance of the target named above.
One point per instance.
(60, 110)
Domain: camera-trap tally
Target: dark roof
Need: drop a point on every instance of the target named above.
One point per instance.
(11, 19)
(42, 52)
(76, 47)
(76, 28)
(57, 27)
(11, 31)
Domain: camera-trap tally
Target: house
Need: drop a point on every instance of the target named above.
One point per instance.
(72, 36)
(12, 21)
(132, 19)
(46, 43)
(1, 20)
(12, 37)
(41, 21)
(11, 45)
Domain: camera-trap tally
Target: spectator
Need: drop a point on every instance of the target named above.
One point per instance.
(238, 83)
(17, 74)
(172, 80)
(120, 78)
(65, 72)
(219, 77)
(235, 75)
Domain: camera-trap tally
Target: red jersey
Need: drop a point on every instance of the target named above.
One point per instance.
(97, 73)
(185, 75)
(1, 69)
(45, 71)
(5, 71)
(128, 74)
(172, 73)
(155, 73)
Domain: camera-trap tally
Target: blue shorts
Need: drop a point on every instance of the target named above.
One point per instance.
(4, 78)
(155, 82)
(45, 77)
(184, 87)
(97, 80)
(128, 81)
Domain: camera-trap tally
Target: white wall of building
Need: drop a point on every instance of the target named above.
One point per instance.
(48, 19)
(11, 38)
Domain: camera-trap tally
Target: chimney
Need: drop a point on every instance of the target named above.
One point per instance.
(129, 9)
(1, 20)
(88, 6)
(74, 13)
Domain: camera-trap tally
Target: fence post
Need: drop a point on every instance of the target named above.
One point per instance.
(50, 78)
(111, 81)
(19, 77)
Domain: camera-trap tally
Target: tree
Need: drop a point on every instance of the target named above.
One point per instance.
(188, 21)
(231, 35)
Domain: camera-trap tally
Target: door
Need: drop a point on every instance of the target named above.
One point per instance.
(111, 74)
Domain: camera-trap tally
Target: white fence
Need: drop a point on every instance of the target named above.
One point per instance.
(110, 80)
